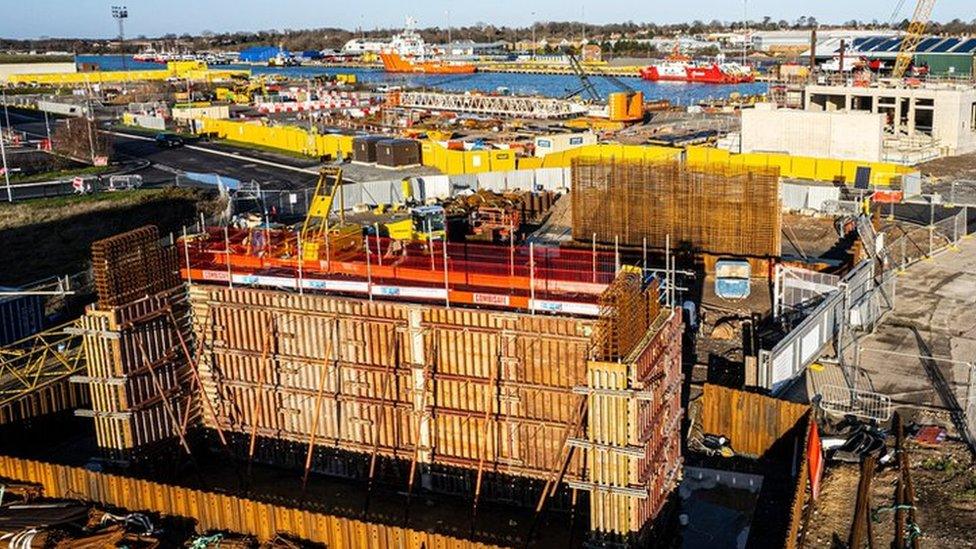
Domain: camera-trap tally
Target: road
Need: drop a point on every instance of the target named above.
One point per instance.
(272, 171)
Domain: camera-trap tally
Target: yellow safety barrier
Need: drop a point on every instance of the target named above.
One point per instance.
(193, 70)
(802, 167)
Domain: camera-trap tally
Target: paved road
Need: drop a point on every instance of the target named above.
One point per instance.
(271, 171)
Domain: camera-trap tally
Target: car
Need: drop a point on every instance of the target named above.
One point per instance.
(168, 140)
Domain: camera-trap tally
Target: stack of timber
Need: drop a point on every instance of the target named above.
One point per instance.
(717, 209)
(136, 340)
(554, 398)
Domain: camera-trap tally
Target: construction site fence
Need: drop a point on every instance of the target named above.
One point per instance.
(221, 512)
(945, 231)
(191, 70)
(66, 187)
(456, 162)
(803, 167)
(780, 366)
(390, 191)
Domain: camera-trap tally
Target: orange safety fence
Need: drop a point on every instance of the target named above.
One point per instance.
(515, 268)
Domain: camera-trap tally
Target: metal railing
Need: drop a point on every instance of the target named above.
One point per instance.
(843, 400)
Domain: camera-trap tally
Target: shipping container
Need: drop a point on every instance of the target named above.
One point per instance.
(547, 144)
(396, 153)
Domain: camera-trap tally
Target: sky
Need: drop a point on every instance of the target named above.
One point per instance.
(93, 18)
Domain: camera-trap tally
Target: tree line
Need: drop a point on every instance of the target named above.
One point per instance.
(334, 38)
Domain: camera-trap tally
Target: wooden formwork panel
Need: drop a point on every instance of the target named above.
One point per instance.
(138, 372)
(463, 387)
(751, 422)
(212, 511)
(633, 430)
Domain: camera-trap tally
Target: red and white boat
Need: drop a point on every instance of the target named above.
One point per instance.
(683, 69)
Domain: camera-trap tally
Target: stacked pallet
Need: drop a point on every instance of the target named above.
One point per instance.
(136, 344)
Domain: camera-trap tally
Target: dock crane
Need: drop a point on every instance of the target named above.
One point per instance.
(916, 29)
(626, 105)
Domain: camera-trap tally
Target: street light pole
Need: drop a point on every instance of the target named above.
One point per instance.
(6, 113)
(121, 13)
(534, 46)
(6, 172)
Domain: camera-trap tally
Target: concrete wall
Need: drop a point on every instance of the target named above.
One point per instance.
(8, 69)
(951, 106)
(836, 135)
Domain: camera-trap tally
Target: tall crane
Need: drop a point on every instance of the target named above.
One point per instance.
(920, 20)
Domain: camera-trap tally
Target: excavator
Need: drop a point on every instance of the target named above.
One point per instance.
(423, 222)
(319, 239)
(243, 90)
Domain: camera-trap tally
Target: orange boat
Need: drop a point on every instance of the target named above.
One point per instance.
(394, 62)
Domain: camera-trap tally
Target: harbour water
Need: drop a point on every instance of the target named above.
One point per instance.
(678, 93)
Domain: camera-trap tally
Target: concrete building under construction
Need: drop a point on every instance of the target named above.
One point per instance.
(584, 405)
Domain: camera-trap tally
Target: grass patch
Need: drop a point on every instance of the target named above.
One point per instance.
(23, 58)
(52, 236)
(58, 174)
(944, 464)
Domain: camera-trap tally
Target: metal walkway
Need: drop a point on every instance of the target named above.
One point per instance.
(495, 105)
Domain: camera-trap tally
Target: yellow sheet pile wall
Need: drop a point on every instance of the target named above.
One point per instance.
(801, 167)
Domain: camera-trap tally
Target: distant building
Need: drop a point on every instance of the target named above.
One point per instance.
(261, 54)
(471, 48)
(365, 45)
(798, 41)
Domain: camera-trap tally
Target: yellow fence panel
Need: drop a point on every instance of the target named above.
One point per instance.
(830, 170)
(502, 161)
(477, 161)
(529, 163)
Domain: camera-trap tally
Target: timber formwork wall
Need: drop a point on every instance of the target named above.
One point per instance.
(456, 387)
(136, 341)
(541, 397)
(719, 209)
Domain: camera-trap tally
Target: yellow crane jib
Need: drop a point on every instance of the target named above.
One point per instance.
(916, 30)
